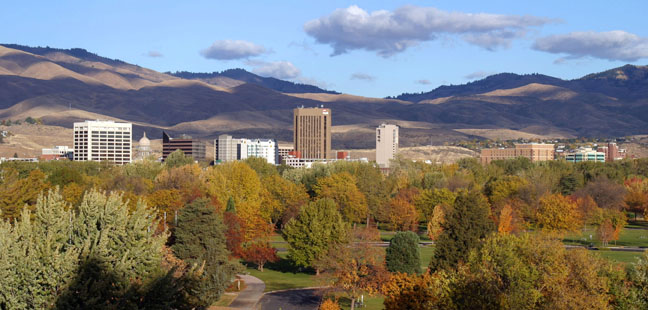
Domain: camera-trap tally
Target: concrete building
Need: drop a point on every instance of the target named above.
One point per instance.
(188, 145)
(103, 141)
(612, 152)
(263, 148)
(226, 149)
(58, 152)
(585, 154)
(386, 144)
(533, 151)
(283, 152)
(312, 132)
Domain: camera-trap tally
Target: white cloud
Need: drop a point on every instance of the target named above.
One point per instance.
(478, 75)
(154, 54)
(388, 32)
(423, 82)
(610, 45)
(276, 69)
(233, 49)
(362, 76)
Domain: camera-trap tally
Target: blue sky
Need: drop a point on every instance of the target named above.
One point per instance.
(369, 48)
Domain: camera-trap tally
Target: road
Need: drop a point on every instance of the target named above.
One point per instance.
(299, 299)
(249, 297)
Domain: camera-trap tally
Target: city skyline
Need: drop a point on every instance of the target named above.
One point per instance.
(424, 45)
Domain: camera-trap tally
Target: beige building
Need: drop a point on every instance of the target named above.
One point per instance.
(312, 132)
(386, 144)
(534, 152)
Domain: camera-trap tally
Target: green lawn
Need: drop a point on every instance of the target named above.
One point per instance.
(225, 300)
(619, 256)
(628, 237)
(426, 256)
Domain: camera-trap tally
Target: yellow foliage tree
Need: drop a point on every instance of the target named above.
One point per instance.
(558, 213)
(435, 225)
(329, 304)
(505, 222)
(16, 193)
(341, 188)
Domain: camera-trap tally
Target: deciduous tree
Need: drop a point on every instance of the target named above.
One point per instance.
(559, 214)
(341, 188)
(260, 253)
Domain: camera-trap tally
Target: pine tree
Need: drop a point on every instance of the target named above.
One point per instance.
(200, 240)
(466, 224)
(403, 253)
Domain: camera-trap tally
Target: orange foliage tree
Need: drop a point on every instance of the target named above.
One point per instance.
(558, 213)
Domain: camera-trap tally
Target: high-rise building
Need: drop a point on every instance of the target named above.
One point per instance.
(103, 141)
(386, 144)
(533, 151)
(226, 149)
(312, 132)
(188, 145)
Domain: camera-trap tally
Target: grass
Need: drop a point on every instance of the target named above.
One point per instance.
(634, 237)
(370, 302)
(619, 256)
(284, 275)
(426, 256)
(225, 300)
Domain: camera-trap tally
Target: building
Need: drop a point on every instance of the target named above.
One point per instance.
(57, 153)
(263, 148)
(103, 141)
(283, 152)
(312, 132)
(143, 148)
(189, 146)
(386, 144)
(612, 152)
(533, 151)
(585, 154)
(228, 149)
(23, 159)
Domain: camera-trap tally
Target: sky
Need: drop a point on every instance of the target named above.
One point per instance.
(367, 48)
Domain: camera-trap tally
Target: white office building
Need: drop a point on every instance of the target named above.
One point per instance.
(103, 141)
(264, 148)
(386, 144)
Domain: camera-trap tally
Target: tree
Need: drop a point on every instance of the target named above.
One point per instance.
(467, 223)
(605, 232)
(178, 158)
(234, 233)
(402, 215)
(260, 253)
(200, 240)
(558, 213)
(288, 197)
(636, 199)
(607, 194)
(341, 187)
(355, 268)
(318, 228)
(261, 166)
(17, 193)
(402, 254)
(329, 304)
(429, 199)
(414, 292)
(435, 225)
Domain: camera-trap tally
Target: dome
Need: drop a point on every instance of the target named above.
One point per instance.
(144, 141)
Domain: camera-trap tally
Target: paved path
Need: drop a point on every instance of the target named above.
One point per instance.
(249, 297)
(299, 299)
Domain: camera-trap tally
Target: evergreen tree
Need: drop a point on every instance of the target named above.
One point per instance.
(466, 224)
(317, 228)
(200, 240)
(403, 253)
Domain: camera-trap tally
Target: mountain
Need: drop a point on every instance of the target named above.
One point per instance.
(232, 76)
(62, 86)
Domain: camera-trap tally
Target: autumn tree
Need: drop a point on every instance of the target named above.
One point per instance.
(402, 214)
(16, 193)
(260, 253)
(318, 228)
(417, 292)
(558, 213)
(435, 225)
(329, 304)
(605, 232)
(234, 233)
(429, 199)
(606, 193)
(636, 199)
(341, 188)
(467, 223)
(355, 268)
(505, 223)
(402, 254)
(288, 198)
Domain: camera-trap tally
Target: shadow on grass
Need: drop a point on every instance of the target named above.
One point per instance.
(284, 265)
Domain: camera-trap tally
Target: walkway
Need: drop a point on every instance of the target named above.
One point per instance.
(250, 296)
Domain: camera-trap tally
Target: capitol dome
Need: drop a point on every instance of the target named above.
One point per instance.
(144, 141)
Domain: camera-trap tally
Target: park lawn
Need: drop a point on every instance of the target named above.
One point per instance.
(370, 302)
(629, 237)
(225, 300)
(619, 256)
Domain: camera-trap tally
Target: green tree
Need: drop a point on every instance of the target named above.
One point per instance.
(200, 240)
(467, 223)
(261, 166)
(403, 253)
(430, 198)
(317, 228)
(177, 158)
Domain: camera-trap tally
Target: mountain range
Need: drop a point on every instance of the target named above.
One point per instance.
(61, 86)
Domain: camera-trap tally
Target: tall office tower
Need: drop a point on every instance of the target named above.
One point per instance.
(226, 149)
(103, 141)
(386, 144)
(312, 132)
(189, 146)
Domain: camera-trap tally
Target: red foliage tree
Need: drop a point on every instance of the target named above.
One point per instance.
(260, 253)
